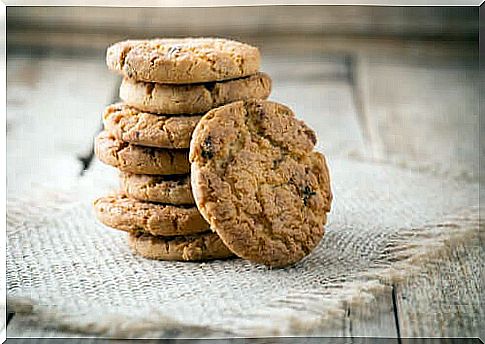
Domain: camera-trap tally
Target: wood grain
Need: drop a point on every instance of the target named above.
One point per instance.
(446, 300)
(422, 115)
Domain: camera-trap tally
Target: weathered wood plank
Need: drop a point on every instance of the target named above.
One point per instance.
(20, 327)
(447, 299)
(53, 109)
(374, 320)
(421, 114)
(95, 43)
(208, 21)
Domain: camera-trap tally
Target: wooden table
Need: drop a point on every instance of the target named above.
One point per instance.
(413, 103)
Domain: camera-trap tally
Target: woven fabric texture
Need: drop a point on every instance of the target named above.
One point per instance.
(72, 273)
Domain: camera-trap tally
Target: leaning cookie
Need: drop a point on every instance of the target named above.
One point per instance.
(131, 125)
(138, 159)
(184, 60)
(257, 181)
(193, 98)
(173, 189)
(126, 214)
(199, 247)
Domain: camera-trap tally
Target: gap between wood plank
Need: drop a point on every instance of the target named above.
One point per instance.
(396, 315)
(350, 323)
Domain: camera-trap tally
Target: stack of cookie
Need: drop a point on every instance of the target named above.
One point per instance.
(168, 85)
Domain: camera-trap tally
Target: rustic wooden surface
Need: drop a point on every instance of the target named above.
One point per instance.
(253, 20)
(408, 103)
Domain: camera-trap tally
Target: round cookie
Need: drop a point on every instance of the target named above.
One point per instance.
(192, 98)
(183, 60)
(138, 159)
(129, 124)
(257, 181)
(199, 247)
(127, 214)
(162, 189)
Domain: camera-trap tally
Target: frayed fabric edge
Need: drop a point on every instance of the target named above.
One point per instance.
(406, 256)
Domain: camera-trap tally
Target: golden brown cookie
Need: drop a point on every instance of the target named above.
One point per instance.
(162, 189)
(198, 247)
(257, 181)
(183, 60)
(127, 214)
(131, 125)
(138, 159)
(193, 98)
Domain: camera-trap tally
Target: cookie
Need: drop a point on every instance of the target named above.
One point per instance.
(127, 214)
(199, 247)
(193, 98)
(131, 125)
(257, 181)
(183, 60)
(138, 159)
(163, 189)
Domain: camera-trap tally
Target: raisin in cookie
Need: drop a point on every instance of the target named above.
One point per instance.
(257, 181)
(192, 98)
(198, 247)
(129, 124)
(138, 159)
(127, 214)
(173, 189)
(183, 60)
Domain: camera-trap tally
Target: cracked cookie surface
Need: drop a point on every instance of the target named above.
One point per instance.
(130, 215)
(138, 159)
(183, 60)
(258, 182)
(161, 189)
(193, 99)
(131, 125)
(199, 247)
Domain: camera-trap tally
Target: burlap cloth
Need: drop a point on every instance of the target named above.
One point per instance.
(69, 272)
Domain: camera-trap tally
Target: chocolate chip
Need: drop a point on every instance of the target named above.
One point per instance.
(307, 192)
(276, 163)
(207, 148)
